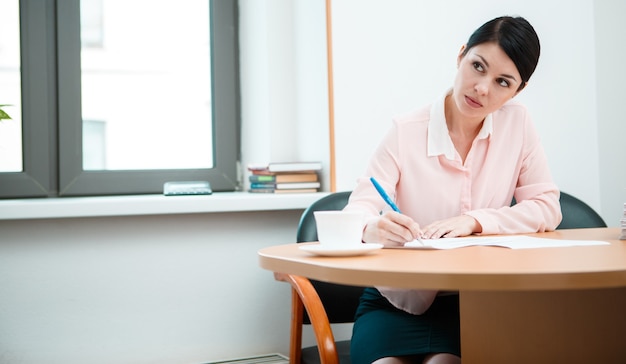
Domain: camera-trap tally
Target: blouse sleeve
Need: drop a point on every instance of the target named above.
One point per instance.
(384, 166)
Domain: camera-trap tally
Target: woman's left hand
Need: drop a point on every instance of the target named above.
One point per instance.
(451, 228)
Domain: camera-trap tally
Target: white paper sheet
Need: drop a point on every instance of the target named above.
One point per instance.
(511, 241)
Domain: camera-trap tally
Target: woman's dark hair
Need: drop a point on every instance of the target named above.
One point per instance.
(516, 37)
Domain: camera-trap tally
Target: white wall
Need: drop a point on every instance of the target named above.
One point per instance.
(284, 82)
(610, 81)
(153, 289)
(391, 59)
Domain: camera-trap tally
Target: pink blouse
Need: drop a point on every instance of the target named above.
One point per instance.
(418, 165)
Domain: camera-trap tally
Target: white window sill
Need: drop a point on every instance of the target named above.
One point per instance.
(66, 207)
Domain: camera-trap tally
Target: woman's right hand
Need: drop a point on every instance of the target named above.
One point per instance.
(391, 229)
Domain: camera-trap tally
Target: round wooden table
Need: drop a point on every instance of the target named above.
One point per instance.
(552, 305)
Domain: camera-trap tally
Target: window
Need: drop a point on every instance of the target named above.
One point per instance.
(120, 100)
(10, 130)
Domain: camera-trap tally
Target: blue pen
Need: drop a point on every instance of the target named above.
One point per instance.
(388, 200)
(384, 195)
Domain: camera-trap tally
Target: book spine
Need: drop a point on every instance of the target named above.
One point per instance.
(260, 178)
(294, 166)
(301, 190)
(262, 185)
(261, 190)
(297, 185)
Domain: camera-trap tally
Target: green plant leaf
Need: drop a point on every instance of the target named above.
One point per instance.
(3, 114)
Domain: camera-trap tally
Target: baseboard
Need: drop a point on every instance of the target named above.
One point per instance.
(265, 359)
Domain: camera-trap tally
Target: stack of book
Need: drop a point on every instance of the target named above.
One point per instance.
(285, 177)
(623, 224)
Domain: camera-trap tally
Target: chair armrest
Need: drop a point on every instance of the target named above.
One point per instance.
(304, 294)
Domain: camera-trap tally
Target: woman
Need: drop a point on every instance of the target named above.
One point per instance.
(454, 167)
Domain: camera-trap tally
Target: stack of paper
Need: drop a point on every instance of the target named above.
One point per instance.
(505, 241)
(623, 223)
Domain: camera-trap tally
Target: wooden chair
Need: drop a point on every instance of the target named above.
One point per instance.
(319, 303)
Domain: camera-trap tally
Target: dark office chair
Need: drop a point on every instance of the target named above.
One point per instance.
(577, 214)
(320, 303)
(325, 303)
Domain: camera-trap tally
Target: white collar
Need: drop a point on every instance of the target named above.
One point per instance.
(439, 141)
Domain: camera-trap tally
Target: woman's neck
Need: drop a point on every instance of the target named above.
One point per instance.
(462, 130)
(459, 124)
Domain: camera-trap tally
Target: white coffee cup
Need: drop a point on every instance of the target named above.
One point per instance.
(339, 228)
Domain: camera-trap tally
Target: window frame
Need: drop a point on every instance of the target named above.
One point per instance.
(52, 120)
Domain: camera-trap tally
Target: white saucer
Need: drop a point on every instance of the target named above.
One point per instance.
(361, 249)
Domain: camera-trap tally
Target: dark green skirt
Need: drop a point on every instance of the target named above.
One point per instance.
(381, 330)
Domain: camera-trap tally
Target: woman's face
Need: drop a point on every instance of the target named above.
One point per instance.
(486, 79)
